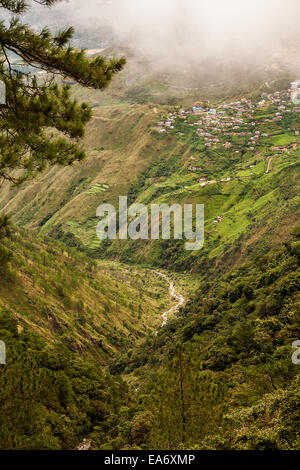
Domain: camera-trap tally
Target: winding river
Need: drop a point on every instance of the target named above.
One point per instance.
(86, 443)
(173, 294)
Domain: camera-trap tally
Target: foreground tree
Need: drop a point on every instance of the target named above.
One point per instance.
(39, 122)
(5, 254)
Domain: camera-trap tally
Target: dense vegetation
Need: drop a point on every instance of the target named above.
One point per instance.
(220, 375)
(50, 398)
(62, 318)
(217, 376)
(87, 357)
(63, 295)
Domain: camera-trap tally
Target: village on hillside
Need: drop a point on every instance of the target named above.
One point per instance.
(271, 124)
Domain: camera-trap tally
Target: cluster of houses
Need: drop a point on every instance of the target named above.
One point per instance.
(283, 100)
(291, 146)
(236, 125)
(163, 126)
(215, 124)
(218, 130)
(295, 92)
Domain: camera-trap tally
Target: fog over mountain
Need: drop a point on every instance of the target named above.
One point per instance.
(183, 33)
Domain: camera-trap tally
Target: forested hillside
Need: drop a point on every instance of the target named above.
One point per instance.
(217, 376)
(63, 317)
(142, 344)
(220, 375)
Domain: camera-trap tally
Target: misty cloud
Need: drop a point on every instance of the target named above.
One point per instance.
(186, 32)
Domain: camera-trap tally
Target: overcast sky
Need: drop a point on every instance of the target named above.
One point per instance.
(186, 30)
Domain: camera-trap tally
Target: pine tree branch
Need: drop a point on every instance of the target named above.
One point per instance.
(33, 107)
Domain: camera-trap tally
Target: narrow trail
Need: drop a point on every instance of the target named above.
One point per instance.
(176, 296)
(269, 165)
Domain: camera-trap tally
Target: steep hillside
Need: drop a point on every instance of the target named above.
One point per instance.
(221, 375)
(241, 162)
(61, 295)
(239, 158)
(217, 376)
(63, 317)
(244, 168)
(51, 398)
(120, 146)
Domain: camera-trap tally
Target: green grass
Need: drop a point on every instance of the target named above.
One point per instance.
(94, 307)
(128, 158)
(98, 188)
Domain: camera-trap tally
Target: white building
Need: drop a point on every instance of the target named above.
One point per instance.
(295, 92)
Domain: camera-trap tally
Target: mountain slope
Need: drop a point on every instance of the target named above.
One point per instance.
(220, 375)
(62, 318)
(60, 294)
(241, 161)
